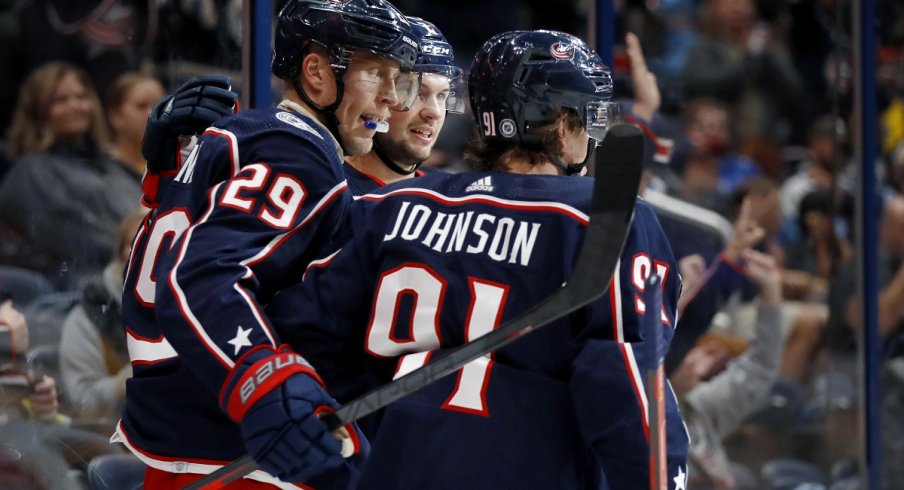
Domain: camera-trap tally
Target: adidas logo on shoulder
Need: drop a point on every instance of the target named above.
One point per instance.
(484, 184)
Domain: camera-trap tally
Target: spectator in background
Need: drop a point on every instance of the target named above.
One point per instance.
(707, 288)
(821, 250)
(844, 307)
(827, 143)
(711, 169)
(716, 394)
(810, 265)
(104, 37)
(30, 422)
(845, 319)
(39, 396)
(62, 200)
(94, 362)
(13, 331)
(762, 193)
(738, 61)
(129, 101)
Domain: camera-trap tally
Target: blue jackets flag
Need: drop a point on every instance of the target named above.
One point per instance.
(440, 260)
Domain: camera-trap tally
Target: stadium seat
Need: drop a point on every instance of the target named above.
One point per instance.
(792, 474)
(24, 285)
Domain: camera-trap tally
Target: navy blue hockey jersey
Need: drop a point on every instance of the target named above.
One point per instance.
(257, 199)
(443, 259)
(359, 183)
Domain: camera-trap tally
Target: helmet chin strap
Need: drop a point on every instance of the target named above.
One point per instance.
(390, 164)
(328, 112)
(573, 168)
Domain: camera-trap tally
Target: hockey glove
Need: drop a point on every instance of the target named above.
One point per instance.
(193, 108)
(276, 397)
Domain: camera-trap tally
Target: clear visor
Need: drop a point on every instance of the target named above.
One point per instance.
(455, 99)
(376, 74)
(600, 116)
(400, 87)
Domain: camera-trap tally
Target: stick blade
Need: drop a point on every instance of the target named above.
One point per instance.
(618, 167)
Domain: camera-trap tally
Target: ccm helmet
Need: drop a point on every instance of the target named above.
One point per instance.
(435, 56)
(519, 78)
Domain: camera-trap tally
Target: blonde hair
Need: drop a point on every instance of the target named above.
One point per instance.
(29, 131)
(122, 85)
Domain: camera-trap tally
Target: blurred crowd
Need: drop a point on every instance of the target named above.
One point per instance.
(752, 138)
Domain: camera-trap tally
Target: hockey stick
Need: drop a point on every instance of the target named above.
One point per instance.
(618, 168)
(655, 383)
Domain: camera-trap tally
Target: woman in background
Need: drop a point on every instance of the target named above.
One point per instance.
(94, 362)
(61, 202)
(129, 101)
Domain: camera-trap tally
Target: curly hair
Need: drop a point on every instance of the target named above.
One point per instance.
(493, 154)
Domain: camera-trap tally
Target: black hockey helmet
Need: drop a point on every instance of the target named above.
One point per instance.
(519, 78)
(435, 56)
(342, 27)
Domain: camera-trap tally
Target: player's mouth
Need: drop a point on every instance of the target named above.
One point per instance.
(375, 122)
(423, 133)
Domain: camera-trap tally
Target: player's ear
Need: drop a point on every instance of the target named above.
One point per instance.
(318, 78)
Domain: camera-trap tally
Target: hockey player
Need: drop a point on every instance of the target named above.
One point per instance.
(398, 153)
(442, 259)
(259, 197)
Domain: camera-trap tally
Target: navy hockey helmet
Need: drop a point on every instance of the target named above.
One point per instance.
(343, 27)
(435, 56)
(519, 78)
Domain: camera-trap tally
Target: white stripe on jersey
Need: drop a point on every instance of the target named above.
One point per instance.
(616, 303)
(319, 263)
(487, 199)
(233, 147)
(180, 295)
(171, 465)
(247, 263)
(335, 191)
(637, 381)
(144, 351)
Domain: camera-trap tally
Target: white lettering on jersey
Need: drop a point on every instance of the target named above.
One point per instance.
(167, 226)
(502, 240)
(460, 232)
